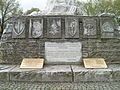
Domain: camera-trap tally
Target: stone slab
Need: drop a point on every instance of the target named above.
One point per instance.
(54, 73)
(65, 52)
(82, 74)
(4, 72)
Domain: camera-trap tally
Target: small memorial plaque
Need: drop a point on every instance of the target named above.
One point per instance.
(69, 52)
(32, 63)
(94, 63)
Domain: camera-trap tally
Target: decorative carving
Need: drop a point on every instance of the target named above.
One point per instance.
(18, 29)
(107, 27)
(89, 27)
(72, 29)
(36, 28)
(54, 28)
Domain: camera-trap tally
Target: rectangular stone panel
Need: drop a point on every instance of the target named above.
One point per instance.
(19, 26)
(71, 27)
(64, 52)
(36, 28)
(90, 28)
(107, 27)
(53, 27)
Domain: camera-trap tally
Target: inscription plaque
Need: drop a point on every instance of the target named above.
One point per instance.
(94, 63)
(69, 52)
(32, 63)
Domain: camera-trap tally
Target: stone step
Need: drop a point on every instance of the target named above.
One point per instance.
(59, 73)
(59, 86)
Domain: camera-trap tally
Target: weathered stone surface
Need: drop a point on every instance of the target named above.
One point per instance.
(60, 86)
(57, 73)
(116, 71)
(82, 74)
(66, 52)
(108, 49)
(60, 73)
(4, 72)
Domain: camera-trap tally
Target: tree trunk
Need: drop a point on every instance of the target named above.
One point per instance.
(2, 25)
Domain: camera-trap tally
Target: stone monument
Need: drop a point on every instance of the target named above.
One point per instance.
(63, 39)
(60, 36)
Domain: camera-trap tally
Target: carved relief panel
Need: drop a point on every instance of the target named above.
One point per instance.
(107, 28)
(90, 28)
(18, 28)
(36, 28)
(71, 28)
(54, 28)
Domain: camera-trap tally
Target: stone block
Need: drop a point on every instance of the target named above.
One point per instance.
(116, 72)
(56, 73)
(4, 72)
(82, 74)
(61, 53)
